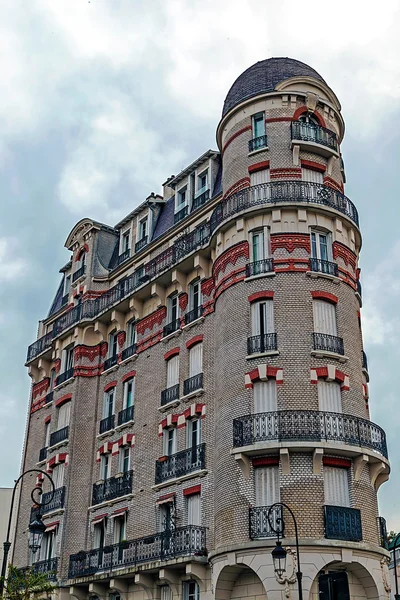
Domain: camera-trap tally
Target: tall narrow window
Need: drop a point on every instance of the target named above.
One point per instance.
(193, 509)
(126, 241)
(124, 459)
(64, 414)
(181, 199)
(67, 358)
(262, 317)
(48, 547)
(324, 317)
(129, 392)
(67, 284)
(169, 439)
(172, 308)
(131, 333)
(321, 253)
(191, 590)
(120, 529)
(108, 406)
(329, 396)
(267, 493)
(165, 592)
(202, 183)
(259, 177)
(165, 517)
(99, 534)
(142, 228)
(53, 376)
(196, 359)
(194, 295)
(105, 466)
(112, 344)
(173, 371)
(258, 245)
(258, 125)
(312, 175)
(265, 398)
(333, 586)
(58, 475)
(47, 435)
(193, 433)
(336, 483)
(82, 260)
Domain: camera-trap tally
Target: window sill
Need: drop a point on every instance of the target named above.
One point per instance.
(111, 502)
(263, 149)
(261, 354)
(326, 354)
(200, 473)
(193, 323)
(325, 151)
(100, 436)
(63, 384)
(316, 274)
(261, 275)
(56, 446)
(193, 394)
(77, 281)
(171, 404)
(130, 358)
(171, 335)
(111, 369)
(124, 425)
(53, 513)
(41, 462)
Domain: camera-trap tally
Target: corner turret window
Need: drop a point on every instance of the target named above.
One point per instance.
(321, 253)
(259, 140)
(336, 484)
(308, 118)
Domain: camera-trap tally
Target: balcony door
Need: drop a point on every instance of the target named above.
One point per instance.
(324, 317)
(336, 485)
(333, 586)
(47, 549)
(267, 492)
(320, 247)
(262, 318)
(196, 359)
(312, 175)
(265, 407)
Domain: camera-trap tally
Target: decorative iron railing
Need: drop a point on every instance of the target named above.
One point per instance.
(128, 352)
(39, 346)
(259, 267)
(343, 523)
(324, 266)
(123, 257)
(308, 132)
(107, 424)
(308, 425)
(364, 361)
(141, 244)
(194, 314)
(328, 343)
(200, 200)
(111, 488)
(170, 394)
(49, 397)
(258, 143)
(181, 463)
(382, 530)
(59, 436)
(42, 454)
(171, 327)
(110, 362)
(79, 273)
(193, 384)
(257, 344)
(182, 541)
(181, 214)
(259, 526)
(50, 502)
(126, 415)
(47, 567)
(68, 374)
(64, 300)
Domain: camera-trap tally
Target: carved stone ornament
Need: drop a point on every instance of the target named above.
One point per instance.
(385, 574)
(290, 573)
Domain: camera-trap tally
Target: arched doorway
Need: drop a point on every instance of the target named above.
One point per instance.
(239, 583)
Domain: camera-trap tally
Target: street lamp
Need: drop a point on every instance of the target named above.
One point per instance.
(279, 553)
(36, 526)
(395, 546)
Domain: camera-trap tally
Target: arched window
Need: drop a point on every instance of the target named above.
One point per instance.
(308, 118)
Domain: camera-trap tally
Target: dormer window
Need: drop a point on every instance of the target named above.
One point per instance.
(181, 204)
(308, 118)
(182, 198)
(125, 242)
(202, 183)
(143, 228)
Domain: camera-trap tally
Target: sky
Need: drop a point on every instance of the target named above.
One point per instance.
(102, 100)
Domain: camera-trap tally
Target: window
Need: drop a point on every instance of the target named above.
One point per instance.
(47, 435)
(196, 359)
(53, 376)
(142, 228)
(181, 199)
(267, 492)
(131, 333)
(193, 509)
(173, 371)
(58, 475)
(202, 183)
(193, 430)
(108, 406)
(48, 547)
(308, 118)
(191, 590)
(119, 529)
(321, 247)
(265, 398)
(64, 414)
(333, 586)
(99, 531)
(112, 344)
(67, 284)
(68, 358)
(165, 517)
(125, 242)
(329, 396)
(324, 317)
(129, 392)
(172, 308)
(259, 244)
(165, 592)
(259, 177)
(336, 483)
(262, 317)
(169, 439)
(258, 125)
(105, 466)
(312, 175)
(124, 459)
(194, 295)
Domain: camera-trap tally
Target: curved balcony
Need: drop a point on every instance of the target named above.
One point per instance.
(308, 425)
(324, 342)
(258, 143)
(314, 137)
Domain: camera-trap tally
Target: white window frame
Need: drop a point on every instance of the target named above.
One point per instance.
(324, 317)
(125, 235)
(165, 592)
(262, 317)
(124, 452)
(337, 486)
(173, 371)
(315, 234)
(196, 284)
(99, 531)
(67, 284)
(47, 429)
(170, 307)
(120, 528)
(196, 359)
(143, 226)
(112, 344)
(193, 429)
(127, 384)
(329, 396)
(63, 415)
(48, 547)
(67, 358)
(131, 333)
(263, 233)
(260, 116)
(200, 189)
(58, 475)
(191, 590)
(265, 396)
(312, 175)
(167, 439)
(193, 509)
(179, 205)
(109, 400)
(105, 466)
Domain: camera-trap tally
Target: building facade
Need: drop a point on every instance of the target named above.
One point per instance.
(203, 360)
(5, 507)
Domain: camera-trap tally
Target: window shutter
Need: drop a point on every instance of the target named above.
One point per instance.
(255, 318)
(196, 359)
(265, 396)
(312, 176)
(329, 396)
(259, 177)
(64, 413)
(58, 475)
(267, 486)
(324, 317)
(269, 316)
(262, 317)
(194, 510)
(173, 371)
(336, 481)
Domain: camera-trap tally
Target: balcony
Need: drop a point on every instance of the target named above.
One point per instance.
(200, 199)
(308, 425)
(48, 398)
(67, 320)
(314, 137)
(181, 214)
(170, 394)
(193, 384)
(78, 273)
(49, 503)
(112, 488)
(64, 300)
(323, 266)
(171, 327)
(141, 244)
(123, 257)
(343, 523)
(106, 424)
(43, 454)
(258, 344)
(259, 527)
(193, 315)
(258, 143)
(382, 530)
(39, 346)
(63, 377)
(364, 361)
(47, 567)
(110, 362)
(182, 463)
(166, 545)
(328, 343)
(126, 415)
(260, 267)
(128, 352)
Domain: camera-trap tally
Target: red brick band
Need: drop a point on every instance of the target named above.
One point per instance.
(259, 166)
(110, 385)
(261, 296)
(171, 353)
(195, 489)
(321, 295)
(265, 461)
(129, 375)
(314, 166)
(333, 461)
(194, 340)
(63, 400)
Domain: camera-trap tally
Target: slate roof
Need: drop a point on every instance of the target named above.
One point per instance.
(263, 77)
(55, 307)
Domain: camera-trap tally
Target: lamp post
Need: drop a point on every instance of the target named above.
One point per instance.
(396, 539)
(36, 527)
(279, 553)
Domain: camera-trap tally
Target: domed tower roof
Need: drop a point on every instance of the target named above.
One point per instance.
(263, 77)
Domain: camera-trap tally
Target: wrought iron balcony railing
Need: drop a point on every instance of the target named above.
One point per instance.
(258, 143)
(308, 132)
(107, 424)
(53, 503)
(324, 266)
(170, 394)
(194, 314)
(257, 344)
(328, 343)
(59, 436)
(68, 374)
(42, 454)
(382, 530)
(128, 352)
(181, 463)
(79, 273)
(67, 320)
(39, 346)
(64, 300)
(192, 384)
(259, 526)
(126, 415)
(200, 200)
(47, 567)
(308, 425)
(259, 267)
(171, 327)
(141, 244)
(123, 257)
(181, 214)
(49, 397)
(343, 523)
(166, 545)
(111, 488)
(364, 361)
(110, 362)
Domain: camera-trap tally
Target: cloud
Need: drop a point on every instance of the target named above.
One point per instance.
(11, 267)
